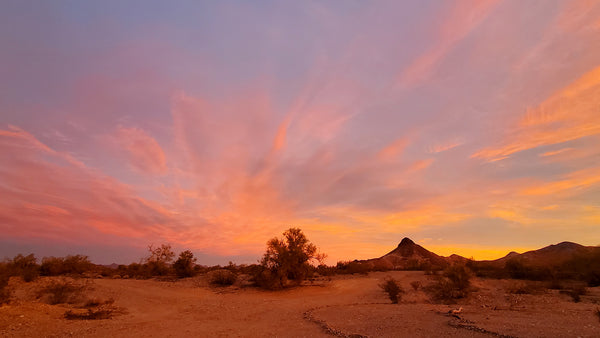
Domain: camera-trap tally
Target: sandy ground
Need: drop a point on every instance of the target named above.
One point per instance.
(343, 306)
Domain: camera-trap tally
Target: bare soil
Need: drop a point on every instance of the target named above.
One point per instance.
(340, 306)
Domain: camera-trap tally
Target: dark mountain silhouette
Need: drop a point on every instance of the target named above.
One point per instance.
(555, 254)
(410, 256)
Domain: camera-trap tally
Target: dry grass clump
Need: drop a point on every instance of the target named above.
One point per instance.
(94, 309)
(393, 289)
(63, 290)
(221, 277)
(416, 285)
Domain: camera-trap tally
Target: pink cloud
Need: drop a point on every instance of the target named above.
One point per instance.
(459, 21)
(145, 154)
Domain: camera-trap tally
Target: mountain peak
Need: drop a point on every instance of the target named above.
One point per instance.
(406, 241)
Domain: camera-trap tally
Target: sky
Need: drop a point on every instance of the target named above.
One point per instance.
(472, 127)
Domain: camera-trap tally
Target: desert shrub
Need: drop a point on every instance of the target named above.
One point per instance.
(24, 266)
(598, 313)
(575, 292)
(287, 259)
(4, 291)
(554, 284)
(184, 265)
(392, 288)
(90, 314)
(69, 265)
(416, 285)
(221, 277)
(523, 288)
(352, 268)
(453, 284)
(62, 291)
(325, 270)
(159, 261)
(382, 265)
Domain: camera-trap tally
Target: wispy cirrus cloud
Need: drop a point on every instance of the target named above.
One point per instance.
(570, 114)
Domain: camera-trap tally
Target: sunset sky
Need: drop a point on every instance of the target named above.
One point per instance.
(472, 127)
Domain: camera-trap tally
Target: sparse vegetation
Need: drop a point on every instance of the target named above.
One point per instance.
(184, 265)
(24, 266)
(575, 292)
(4, 291)
(90, 314)
(525, 288)
(287, 259)
(598, 313)
(352, 268)
(63, 290)
(69, 265)
(416, 285)
(393, 289)
(222, 277)
(455, 283)
(159, 261)
(94, 309)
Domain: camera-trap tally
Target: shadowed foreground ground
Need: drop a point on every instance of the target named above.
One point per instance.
(343, 306)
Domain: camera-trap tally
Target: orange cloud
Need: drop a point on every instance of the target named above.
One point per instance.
(145, 154)
(463, 18)
(569, 114)
(574, 181)
(555, 152)
(438, 148)
(394, 149)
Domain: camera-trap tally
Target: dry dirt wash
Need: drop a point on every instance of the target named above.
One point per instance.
(343, 306)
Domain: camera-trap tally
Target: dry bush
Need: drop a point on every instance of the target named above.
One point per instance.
(523, 288)
(90, 314)
(25, 267)
(4, 291)
(416, 285)
(184, 265)
(221, 277)
(598, 313)
(453, 284)
(95, 309)
(352, 268)
(69, 265)
(392, 288)
(63, 290)
(575, 292)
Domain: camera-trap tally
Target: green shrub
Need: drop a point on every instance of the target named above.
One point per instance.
(392, 288)
(221, 277)
(287, 259)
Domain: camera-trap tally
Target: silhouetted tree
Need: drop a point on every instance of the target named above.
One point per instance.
(184, 265)
(160, 259)
(287, 259)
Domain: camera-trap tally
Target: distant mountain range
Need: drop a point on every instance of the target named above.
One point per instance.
(410, 256)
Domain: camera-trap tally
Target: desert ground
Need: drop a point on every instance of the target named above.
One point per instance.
(347, 306)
